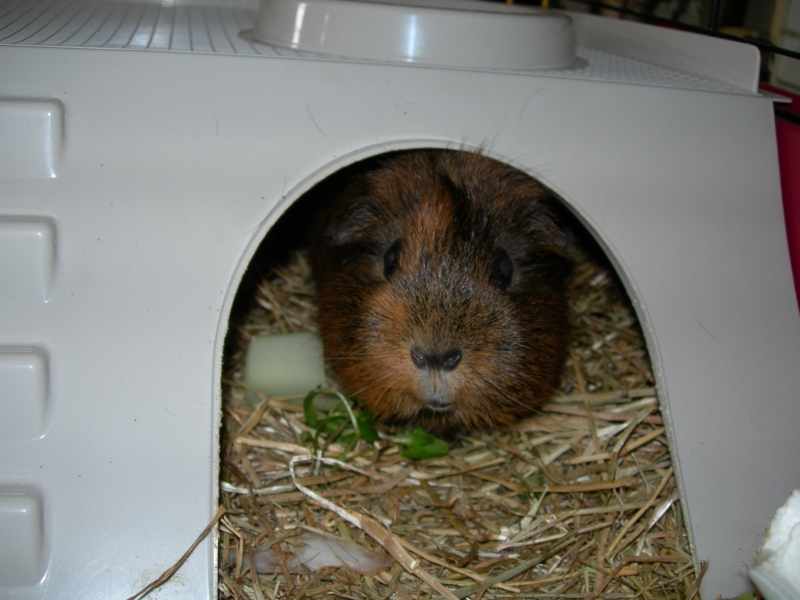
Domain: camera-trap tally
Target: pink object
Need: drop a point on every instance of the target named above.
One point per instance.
(788, 135)
(789, 160)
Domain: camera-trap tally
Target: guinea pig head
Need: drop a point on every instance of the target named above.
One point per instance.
(440, 291)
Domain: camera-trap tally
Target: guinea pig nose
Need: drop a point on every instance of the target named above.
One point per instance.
(446, 361)
(419, 358)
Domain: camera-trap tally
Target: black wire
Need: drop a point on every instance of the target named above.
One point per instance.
(763, 46)
(713, 16)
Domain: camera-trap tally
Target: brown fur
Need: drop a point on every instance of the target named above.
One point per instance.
(453, 214)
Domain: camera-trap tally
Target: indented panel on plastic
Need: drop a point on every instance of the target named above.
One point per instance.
(22, 535)
(31, 133)
(27, 258)
(24, 383)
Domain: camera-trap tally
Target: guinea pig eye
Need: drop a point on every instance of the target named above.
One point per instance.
(502, 269)
(391, 259)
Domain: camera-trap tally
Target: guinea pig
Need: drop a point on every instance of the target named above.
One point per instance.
(440, 288)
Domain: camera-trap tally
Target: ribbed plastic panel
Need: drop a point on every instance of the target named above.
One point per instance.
(130, 25)
(224, 28)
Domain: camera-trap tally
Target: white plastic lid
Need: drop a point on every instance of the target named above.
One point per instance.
(457, 33)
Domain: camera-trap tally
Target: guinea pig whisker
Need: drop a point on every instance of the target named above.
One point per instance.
(495, 387)
(491, 417)
(489, 384)
(488, 412)
(372, 383)
(360, 357)
(385, 397)
(386, 392)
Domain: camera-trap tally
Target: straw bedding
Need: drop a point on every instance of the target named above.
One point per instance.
(577, 501)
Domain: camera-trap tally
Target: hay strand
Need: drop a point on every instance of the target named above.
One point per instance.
(577, 501)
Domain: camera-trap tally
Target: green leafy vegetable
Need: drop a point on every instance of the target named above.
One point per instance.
(424, 445)
(343, 424)
(365, 427)
(309, 412)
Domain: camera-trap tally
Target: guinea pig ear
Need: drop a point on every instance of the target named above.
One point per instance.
(563, 238)
(347, 225)
(553, 236)
(554, 224)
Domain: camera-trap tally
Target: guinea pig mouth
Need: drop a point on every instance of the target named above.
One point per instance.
(436, 398)
(438, 406)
